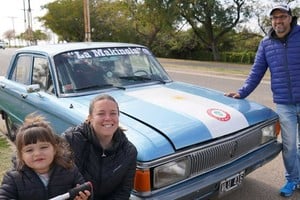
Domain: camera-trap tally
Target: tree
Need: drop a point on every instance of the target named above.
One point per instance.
(211, 20)
(65, 18)
(111, 21)
(184, 44)
(119, 21)
(243, 41)
(212, 24)
(152, 18)
(33, 36)
(9, 35)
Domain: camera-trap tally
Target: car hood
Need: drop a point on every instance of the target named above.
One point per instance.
(177, 115)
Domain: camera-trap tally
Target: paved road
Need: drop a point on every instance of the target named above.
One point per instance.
(263, 184)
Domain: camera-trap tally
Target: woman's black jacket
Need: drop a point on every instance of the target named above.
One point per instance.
(111, 171)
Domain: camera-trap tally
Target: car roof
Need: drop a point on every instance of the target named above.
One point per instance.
(53, 49)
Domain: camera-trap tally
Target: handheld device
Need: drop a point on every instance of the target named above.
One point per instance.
(72, 193)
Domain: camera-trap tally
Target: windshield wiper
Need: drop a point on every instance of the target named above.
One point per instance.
(135, 78)
(142, 78)
(99, 87)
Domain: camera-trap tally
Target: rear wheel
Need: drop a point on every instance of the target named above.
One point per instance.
(11, 128)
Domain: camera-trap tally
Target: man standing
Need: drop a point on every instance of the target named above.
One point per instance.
(280, 51)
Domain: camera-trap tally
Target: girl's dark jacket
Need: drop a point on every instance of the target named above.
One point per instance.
(26, 184)
(281, 56)
(111, 171)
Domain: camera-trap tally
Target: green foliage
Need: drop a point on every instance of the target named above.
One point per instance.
(211, 20)
(152, 19)
(33, 36)
(185, 45)
(112, 21)
(193, 29)
(65, 18)
(238, 57)
(179, 45)
(3, 143)
(6, 152)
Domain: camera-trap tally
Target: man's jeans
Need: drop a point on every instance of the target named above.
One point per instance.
(289, 121)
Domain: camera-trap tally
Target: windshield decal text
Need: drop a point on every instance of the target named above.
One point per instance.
(94, 53)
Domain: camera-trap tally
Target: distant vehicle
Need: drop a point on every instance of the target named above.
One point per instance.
(192, 142)
(2, 45)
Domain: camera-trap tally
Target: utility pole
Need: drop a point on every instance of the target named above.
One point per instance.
(30, 35)
(24, 10)
(87, 26)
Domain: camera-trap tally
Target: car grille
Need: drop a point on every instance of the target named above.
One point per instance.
(221, 153)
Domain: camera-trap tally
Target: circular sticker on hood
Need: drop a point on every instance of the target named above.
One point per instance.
(218, 114)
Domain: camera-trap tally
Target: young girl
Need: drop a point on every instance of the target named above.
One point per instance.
(44, 167)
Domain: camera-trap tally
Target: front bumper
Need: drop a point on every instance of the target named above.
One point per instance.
(207, 185)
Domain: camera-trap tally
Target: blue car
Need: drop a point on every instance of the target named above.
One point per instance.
(192, 142)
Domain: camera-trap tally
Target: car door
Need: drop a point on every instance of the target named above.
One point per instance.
(15, 87)
(30, 89)
(27, 69)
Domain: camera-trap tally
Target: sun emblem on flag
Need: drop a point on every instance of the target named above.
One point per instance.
(218, 114)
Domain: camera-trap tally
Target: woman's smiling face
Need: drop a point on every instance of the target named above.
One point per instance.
(105, 118)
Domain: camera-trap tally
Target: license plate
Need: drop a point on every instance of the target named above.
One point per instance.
(231, 183)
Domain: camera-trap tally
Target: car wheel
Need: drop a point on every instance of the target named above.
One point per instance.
(11, 128)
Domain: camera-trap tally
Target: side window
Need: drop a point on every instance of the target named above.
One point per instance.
(140, 64)
(21, 73)
(41, 74)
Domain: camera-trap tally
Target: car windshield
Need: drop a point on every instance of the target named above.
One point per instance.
(103, 68)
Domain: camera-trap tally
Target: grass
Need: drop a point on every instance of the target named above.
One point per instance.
(6, 152)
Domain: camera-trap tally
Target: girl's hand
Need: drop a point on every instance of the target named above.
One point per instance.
(83, 195)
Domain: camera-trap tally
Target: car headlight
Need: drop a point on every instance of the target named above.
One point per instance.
(268, 133)
(171, 172)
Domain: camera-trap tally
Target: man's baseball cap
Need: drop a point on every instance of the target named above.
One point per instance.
(282, 7)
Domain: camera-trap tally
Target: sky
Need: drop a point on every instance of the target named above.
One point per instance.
(12, 15)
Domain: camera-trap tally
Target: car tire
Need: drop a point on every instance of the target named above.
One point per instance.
(11, 128)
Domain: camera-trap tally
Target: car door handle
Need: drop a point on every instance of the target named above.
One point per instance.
(24, 96)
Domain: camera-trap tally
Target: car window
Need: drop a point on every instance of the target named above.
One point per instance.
(63, 68)
(140, 63)
(102, 68)
(41, 74)
(21, 72)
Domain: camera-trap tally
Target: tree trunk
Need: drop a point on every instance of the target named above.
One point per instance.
(215, 52)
